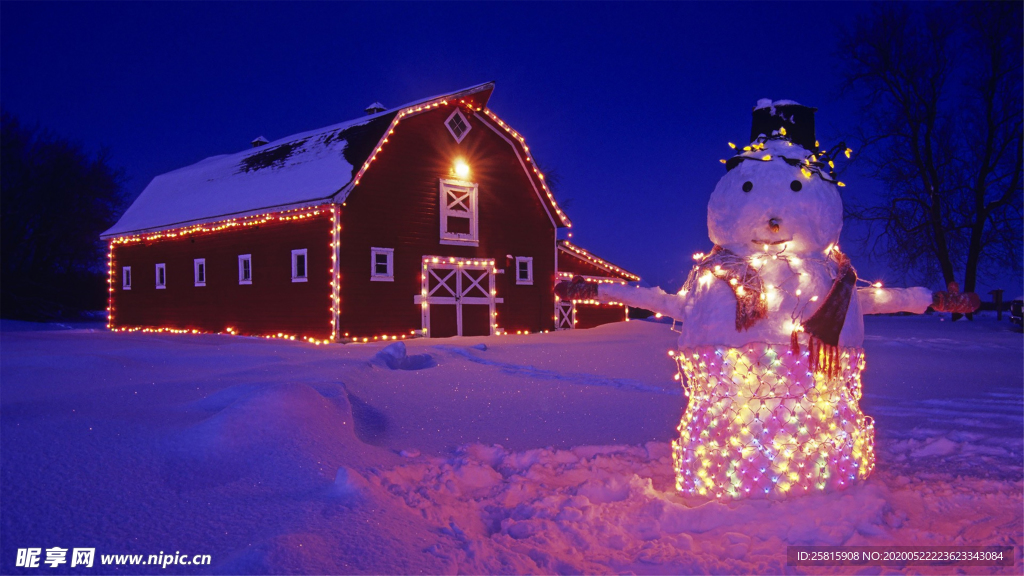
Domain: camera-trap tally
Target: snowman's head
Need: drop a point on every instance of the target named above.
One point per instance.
(772, 197)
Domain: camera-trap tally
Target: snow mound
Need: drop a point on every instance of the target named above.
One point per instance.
(348, 484)
(394, 357)
(281, 435)
(613, 509)
(371, 424)
(939, 447)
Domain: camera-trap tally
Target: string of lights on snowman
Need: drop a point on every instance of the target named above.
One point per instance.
(797, 426)
(820, 164)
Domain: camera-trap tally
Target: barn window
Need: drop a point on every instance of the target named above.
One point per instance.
(459, 213)
(199, 269)
(382, 264)
(161, 276)
(245, 269)
(126, 278)
(458, 125)
(524, 270)
(300, 266)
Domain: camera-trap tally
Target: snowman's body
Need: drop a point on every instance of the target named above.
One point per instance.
(763, 419)
(799, 283)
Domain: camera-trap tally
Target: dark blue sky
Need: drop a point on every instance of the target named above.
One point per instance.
(630, 104)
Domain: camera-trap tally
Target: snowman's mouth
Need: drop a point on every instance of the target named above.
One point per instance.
(774, 243)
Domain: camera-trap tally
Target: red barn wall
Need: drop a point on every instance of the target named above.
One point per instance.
(396, 205)
(271, 304)
(590, 315)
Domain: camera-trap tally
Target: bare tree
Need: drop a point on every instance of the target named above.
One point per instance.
(994, 138)
(940, 89)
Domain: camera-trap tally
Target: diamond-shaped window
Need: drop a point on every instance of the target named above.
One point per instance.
(458, 125)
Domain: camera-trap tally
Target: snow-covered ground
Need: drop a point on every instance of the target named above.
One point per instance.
(519, 454)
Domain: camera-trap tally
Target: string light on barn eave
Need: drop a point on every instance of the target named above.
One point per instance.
(529, 158)
(469, 105)
(216, 226)
(293, 215)
(391, 131)
(595, 260)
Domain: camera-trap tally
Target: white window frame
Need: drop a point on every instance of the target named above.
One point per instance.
(242, 258)
(126, 278)
(162, 267)
(528, 260)
(304, 252)
(376, 276)
(458, 113)
(197, 265)
(473, 191)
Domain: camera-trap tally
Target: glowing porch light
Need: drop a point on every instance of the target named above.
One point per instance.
(461, 168)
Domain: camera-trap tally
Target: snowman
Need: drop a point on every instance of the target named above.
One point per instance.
(770, 350)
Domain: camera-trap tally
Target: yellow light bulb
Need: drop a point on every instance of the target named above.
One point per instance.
(461, 168)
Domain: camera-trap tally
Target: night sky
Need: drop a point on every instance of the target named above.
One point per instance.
(629, 105)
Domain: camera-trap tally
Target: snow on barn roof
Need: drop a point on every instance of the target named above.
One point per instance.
(302, 169)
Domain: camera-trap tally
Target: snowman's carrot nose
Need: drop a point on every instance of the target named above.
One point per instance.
(773, 224)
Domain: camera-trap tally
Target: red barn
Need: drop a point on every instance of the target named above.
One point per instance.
(427, 219)
(574, 262)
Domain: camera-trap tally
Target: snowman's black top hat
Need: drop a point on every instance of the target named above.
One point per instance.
(797, 119)
(792, 123)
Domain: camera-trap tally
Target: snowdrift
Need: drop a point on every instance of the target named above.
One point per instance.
(521, 454)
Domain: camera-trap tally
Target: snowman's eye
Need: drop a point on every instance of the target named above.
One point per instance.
(795, 185)
(748, 186)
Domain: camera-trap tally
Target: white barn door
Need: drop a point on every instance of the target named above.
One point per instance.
(457, 297)
(565, 315)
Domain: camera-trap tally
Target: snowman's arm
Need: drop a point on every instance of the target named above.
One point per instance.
(888, 300)
(653, 299)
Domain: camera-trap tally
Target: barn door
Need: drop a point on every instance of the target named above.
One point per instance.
(565, 315)
(457, 299)
(442, 301)
(475, 303)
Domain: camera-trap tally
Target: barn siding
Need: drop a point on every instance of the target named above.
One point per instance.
(590, 315)
(271, 304)
(396, 205)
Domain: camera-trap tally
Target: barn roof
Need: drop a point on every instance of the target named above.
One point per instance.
(302, 169)
(574, 251)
